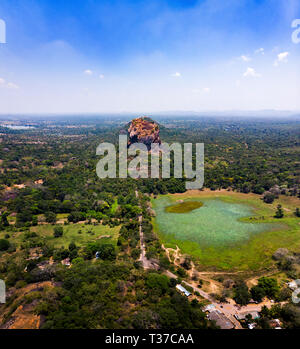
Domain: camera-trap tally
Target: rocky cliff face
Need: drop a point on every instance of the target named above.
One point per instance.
(143, 130)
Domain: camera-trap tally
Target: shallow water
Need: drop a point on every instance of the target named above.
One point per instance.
(216, 223)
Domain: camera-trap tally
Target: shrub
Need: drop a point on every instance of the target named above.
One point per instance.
(50, 217)
(58, 232)
(268, 197)
(21, 284)
(279, 212)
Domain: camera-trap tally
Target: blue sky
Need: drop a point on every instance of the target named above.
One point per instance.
(145, 56)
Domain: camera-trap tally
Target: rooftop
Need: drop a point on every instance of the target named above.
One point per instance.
(221, 320)
(183, 290)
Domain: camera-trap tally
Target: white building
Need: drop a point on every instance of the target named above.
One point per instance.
(293, 285)
(183, 290)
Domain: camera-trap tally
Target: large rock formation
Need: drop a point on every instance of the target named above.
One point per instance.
(143, 130)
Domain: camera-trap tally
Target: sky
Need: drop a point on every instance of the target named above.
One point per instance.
(113, 56)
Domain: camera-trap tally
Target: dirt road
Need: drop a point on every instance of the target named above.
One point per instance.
(229, 309)
(146, 263)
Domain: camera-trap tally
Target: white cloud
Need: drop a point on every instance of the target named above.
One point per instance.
(260, 50)
(101, 76)
(12, 85)
(88, 72)
(281, 58)
(245, 58)
(202, 90)
(176, 75)
(250, 72)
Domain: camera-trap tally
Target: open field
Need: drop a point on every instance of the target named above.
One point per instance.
(250, 250)
(81, 234)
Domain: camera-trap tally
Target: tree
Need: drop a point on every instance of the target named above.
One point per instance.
(34, 221)
(158, 282)
(257, 293)
(173, 282)
(73, 251)
(107, 251)
(23, 217)
(3, 220)
(258, 189)
(135, 253)
(269, 285)
(146, 319)
(4, 245)
(50, 217)
(268, 197)
(187, 263)
(297, 212)
(31, 265)
(181, 272)
(76, 217)
(58, 232)
(72, 246)
(279, 212)
(241, 295)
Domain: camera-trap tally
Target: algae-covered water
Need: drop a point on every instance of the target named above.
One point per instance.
(215, 223)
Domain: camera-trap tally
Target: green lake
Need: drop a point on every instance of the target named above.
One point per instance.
(211, 223)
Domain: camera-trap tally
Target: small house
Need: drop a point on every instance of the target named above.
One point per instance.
(181, 289)
(209, 308)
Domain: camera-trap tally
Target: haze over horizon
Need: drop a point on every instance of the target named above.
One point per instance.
(148, 57)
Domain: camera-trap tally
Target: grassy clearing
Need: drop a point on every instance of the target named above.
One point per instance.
(255, 253)
(88, 233)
